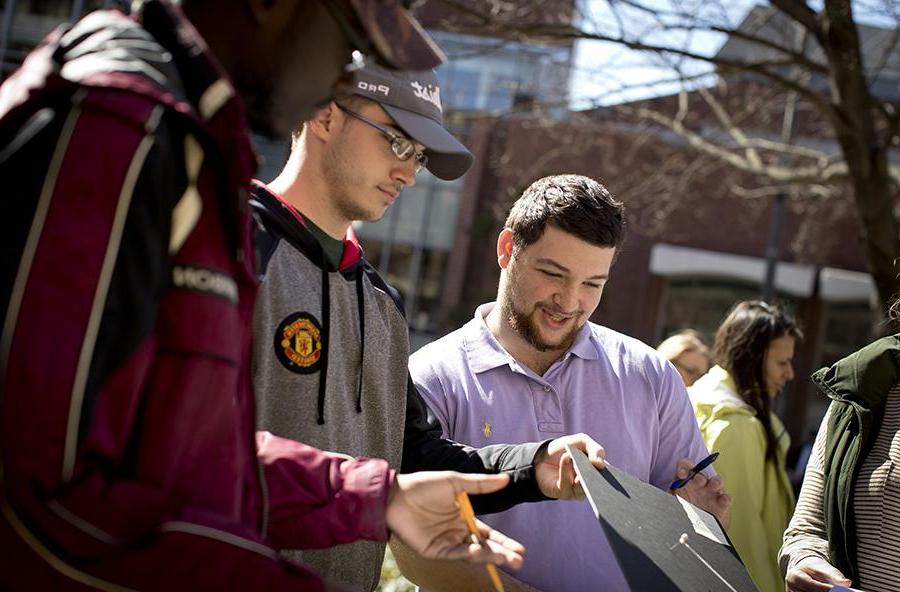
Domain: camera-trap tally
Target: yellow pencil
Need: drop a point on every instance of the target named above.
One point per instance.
(468, 514)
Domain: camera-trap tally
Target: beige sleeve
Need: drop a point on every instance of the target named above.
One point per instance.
(805, 535)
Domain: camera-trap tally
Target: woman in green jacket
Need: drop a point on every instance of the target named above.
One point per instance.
(754, 349)
(846, 529)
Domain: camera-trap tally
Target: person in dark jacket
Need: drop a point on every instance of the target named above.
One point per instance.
(846, 528)
(331, 342)
(129, 459)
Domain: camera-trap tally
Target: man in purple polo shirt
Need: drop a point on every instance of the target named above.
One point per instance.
(531, 367)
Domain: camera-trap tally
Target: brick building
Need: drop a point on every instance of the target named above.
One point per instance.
(698, 229)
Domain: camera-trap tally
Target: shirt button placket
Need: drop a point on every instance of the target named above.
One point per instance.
(550, 414)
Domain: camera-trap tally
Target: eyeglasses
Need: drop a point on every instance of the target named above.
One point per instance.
(403, 148)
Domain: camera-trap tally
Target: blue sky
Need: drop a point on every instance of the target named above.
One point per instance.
(608, 73)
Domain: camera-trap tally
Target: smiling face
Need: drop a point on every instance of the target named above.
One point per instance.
(361, 172)
(778, 367)
(551, 287)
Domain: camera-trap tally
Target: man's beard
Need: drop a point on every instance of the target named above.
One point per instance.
(525, 324)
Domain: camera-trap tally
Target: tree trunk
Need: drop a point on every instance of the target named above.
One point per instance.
(866, 155)
(879, 231)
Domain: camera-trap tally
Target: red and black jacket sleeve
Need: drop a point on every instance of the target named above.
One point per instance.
(97, 455)
(85, 235)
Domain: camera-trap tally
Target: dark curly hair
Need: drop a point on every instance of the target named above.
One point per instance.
(574, 204)
(741, 344)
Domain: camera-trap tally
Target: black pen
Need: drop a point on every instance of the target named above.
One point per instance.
(678, 484)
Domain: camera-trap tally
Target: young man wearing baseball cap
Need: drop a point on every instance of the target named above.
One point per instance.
(127, 450)
(331, 343)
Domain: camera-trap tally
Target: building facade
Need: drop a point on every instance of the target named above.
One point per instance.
(698, 230)
(696, 241)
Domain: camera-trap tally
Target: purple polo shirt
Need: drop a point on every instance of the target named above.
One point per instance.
(610, 386)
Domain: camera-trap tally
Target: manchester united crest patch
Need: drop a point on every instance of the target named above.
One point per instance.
(298, 343)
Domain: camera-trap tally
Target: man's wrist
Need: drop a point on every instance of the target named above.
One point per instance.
(541, 454)
(804, 556)
(392, 493)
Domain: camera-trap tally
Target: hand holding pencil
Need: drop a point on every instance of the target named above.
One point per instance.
(425, 513)
(468, 514)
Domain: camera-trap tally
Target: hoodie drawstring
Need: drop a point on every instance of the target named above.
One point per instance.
(326, 322)
(361, 307)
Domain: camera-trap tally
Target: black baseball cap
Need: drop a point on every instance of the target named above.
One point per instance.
(413, 100)
(386, 31)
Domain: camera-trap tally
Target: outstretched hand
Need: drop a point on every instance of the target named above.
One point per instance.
(555, 469)
(422, 512)
(707, 494)
(814, 574)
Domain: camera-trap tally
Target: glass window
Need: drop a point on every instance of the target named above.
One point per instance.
(60, 9)
(428, 301)
(401, 222)
(383, 229)
(410, 246)
(397, 273)
(484, 74)
(460, 91)
(500, 92)
(272, 156)
(702, 303)
(372, 250)
(848, 327)
(405, 221)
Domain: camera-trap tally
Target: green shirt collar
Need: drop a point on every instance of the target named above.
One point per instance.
(332, 247)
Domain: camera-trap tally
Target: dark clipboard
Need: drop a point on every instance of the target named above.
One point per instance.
(645, 528)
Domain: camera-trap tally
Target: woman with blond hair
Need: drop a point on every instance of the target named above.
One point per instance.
(687, 352)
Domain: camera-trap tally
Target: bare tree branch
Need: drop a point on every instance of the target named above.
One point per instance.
(692, 23)
(885, 57)
(789, 52)
(769, 191)
(734, 131)
(800, 12)
(827, 171)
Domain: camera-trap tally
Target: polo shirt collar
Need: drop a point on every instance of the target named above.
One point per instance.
(484, 352)
(585, 345)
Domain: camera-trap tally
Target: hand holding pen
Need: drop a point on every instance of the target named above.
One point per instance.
(679, 483)
(705, 493)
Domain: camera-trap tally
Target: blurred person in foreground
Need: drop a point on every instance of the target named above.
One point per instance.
(754, 349)
(846, 528)
(688, 354)
(331, 343)
(531, 366)
(126, 416)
